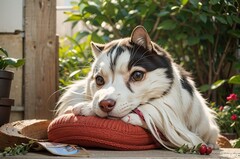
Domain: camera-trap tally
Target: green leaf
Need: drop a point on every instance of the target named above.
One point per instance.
(74, 73)
(109, 9)
(221, 20)
(193, 40)
(235, 33)
(236, 19)
(203, 18)
(174, 8)
(204, 88)
(12, 62)
(213, 2)
(167, 25)
(234, 79)
(97, 38)
(3, 51)
(184, 2)
(237, 65)
(209, 37)
(18, 149)
(92, 9)
(232, 124)
(72, 40)
(195, 3)
(85, 70)
(73, 17)
(237, 143)
(81, 35)
(217, 84)
(163, 13)
(229, 20)
(181, 36)
(74, 23)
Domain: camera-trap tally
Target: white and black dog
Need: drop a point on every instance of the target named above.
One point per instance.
(135, 80)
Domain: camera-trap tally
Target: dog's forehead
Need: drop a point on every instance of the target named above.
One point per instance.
(115, 57)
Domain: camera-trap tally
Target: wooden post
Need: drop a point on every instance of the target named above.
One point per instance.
(40, 54)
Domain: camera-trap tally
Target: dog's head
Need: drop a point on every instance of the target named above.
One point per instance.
(127, 73)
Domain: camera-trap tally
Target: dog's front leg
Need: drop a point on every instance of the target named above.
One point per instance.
(83, 108)
(134, 119)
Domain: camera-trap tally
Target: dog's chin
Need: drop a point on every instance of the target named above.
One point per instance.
(110, 115)
(136, 111)
(113, 117)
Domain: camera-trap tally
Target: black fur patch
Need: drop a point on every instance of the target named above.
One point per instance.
(184, 80)
(113, 60)
(129, 87)
(186, 85)
(149, 60)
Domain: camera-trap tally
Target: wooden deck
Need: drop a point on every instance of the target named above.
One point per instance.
(150, 154)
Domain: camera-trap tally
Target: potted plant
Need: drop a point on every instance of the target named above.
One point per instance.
(6, 78)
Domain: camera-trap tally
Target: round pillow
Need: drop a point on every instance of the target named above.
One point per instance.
(91, 131)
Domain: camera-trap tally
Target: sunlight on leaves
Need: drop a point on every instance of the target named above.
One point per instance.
(217, 84)
(234, 79)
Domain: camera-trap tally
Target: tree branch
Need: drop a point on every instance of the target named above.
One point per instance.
(197, 64)
(225, 52)
(155, 26)
(209, 69)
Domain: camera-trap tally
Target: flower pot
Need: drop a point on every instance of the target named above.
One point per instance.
(5, 110)
(5, 83)
(230, 136)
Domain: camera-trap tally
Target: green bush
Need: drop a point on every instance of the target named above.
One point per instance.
(200, 35)
(74, 60)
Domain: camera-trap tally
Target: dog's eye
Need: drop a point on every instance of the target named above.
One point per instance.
(137, 76)
(99, 80)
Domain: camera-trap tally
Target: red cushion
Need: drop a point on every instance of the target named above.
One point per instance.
(99, 133)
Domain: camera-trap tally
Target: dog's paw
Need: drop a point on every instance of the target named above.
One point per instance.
(84, 109)
(68, 110)
(134, 119)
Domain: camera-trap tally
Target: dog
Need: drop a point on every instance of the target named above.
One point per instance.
(137, 81)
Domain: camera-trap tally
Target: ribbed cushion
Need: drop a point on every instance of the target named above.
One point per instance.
(99, 133)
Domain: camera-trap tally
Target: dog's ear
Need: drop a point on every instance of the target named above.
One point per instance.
(97, 48)
(140, 36)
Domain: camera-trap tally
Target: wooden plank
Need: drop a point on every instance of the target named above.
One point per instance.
(13, 43)
(40, 54)
(17, 113)
(146, 154)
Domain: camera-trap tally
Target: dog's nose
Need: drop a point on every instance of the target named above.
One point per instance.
(107, 105)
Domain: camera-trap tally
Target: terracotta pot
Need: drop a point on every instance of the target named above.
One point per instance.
(5, 83)
(230, 136)
(5, 110)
